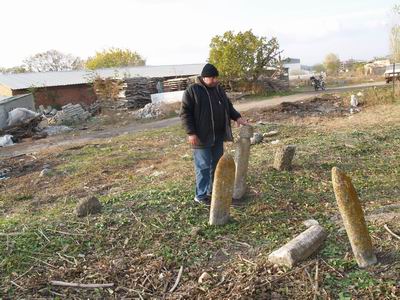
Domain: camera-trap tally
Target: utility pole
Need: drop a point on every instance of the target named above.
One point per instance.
(393, 78)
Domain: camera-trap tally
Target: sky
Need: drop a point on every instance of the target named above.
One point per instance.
(179, 31)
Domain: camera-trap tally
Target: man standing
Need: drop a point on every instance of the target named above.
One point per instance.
(206, 112)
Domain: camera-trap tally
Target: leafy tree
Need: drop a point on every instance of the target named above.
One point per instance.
(114, 57)
(243, 55)
(52, 60)
(332, 63)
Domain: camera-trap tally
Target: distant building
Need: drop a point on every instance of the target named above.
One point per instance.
(377, 67)
(293, 64)
(296, 69)
(60, 88)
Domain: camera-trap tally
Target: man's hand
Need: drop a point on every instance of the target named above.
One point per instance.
(241, 121)
(193, 140)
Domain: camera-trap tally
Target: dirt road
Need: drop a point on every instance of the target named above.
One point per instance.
(84, 137)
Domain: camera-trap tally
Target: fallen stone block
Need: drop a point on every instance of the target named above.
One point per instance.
(88, 206)
(300, 248)
(270, 133)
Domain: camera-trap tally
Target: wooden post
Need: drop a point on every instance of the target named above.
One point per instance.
(242, 161)
(353, 219)
(221, 201)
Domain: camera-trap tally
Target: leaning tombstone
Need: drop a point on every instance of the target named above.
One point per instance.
(221, 201)
(353, 219)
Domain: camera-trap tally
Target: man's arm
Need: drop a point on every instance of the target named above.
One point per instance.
(187, 118)
(233, 113)
(187, 113)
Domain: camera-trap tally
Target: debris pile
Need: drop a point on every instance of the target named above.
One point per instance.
(22, 123)
(48, 111)
(70, 113)
(150, 111)
(57, 129)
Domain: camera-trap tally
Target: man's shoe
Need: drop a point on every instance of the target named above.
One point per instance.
(205, 201)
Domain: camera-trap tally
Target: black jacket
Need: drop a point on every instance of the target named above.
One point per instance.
(197, 115)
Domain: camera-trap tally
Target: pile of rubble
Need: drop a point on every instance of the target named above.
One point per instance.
(24, 123)
(150, 111)
(48, 111)
(69, 114)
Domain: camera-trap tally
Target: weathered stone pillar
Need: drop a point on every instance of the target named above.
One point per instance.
(242, 161)
(284, 157)
(221, 201)
(353, 219)
(300, 248)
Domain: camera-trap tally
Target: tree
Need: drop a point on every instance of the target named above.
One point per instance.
(13, 70)
(243, 55)
(395, 36)
(332, 63)
(115, 57)
(52, 60)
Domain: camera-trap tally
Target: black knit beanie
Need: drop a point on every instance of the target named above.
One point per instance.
(209, 71)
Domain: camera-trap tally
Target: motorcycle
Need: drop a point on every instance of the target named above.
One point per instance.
(318, 83)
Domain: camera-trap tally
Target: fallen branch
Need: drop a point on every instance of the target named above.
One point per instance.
(10, 234)
(81, 285)
(17, 285)
(316, 286)
(391, 232)
(177, 280)
(332, 268)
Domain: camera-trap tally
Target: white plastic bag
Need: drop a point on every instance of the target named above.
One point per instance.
(19, 115)
(354, 101)
(6, 140)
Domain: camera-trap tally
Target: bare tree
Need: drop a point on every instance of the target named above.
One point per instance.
(395, 36)
(53, 60)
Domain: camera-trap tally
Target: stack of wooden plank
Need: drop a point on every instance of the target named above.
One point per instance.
(138, 91)
(176, 84)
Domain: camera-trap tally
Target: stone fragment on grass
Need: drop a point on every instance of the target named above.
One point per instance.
(283, 158)
(256, 139)
(300, 248)
(204, 278)
(45, 172)
(270, 133)
(88, 206)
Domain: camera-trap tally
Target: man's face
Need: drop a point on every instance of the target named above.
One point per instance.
(210, 81)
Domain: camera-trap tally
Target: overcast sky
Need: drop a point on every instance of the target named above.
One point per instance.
(179, 31)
